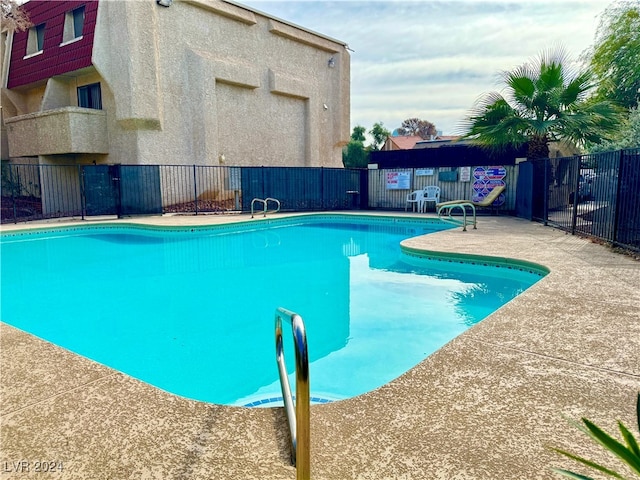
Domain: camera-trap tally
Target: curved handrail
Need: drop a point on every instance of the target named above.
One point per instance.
(461, 205)
(253, 202)
(299, 419)
(265, 203)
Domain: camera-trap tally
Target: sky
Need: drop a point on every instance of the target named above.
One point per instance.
(434, 59)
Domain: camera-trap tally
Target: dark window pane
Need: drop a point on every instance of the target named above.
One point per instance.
(40, 37)
(78, 22)
(90, 96)
(83, 97)
(96, 97)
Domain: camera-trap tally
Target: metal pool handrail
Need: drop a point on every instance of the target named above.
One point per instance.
(299, 419)
(443, 207)
(264, 205)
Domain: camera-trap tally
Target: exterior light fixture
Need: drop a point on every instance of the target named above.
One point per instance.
(164, 3)
(331, 63)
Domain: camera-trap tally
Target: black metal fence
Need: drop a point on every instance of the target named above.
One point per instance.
(35, 192)
(596, 195)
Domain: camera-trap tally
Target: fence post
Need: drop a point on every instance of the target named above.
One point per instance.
(195, 189)
(576, 195)
(545, 198)
(118, 170)
(616, 211)
(83, 197)
(364, 187)
(322, 188)
(13, 194)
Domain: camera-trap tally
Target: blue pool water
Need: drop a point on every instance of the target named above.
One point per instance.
(191, 310)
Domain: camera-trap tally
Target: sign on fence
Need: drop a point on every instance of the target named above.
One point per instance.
(486, 179)
(398, 180)
(465, 174)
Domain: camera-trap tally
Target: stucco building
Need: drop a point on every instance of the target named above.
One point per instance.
(188, 82)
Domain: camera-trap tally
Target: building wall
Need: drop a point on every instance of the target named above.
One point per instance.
(207, 82)
(233, 87)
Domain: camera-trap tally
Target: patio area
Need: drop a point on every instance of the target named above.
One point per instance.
(485, 406)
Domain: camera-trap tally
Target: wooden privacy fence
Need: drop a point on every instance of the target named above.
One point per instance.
(388, 188)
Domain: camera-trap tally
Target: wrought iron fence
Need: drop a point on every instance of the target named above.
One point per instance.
(596, 195)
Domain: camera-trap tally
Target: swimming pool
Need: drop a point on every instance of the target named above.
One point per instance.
(190, 310)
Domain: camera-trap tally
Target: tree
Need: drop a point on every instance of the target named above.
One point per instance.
(414, 126)
(354, 154)
(14, 18)
(379, 135)
(358, 134)
(628, 137)
(615, 57)
(545, 100)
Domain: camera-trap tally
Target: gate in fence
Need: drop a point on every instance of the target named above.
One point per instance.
(596, 195)
(121, 189)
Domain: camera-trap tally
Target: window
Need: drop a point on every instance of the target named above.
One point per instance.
(78, 21)
(73, 25)
(35, 40)
(89, 96)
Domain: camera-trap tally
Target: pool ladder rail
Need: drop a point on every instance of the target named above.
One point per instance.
(447, 209)
(298, 414)
(265, 204)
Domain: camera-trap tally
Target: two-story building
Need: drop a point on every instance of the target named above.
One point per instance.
(185, 82)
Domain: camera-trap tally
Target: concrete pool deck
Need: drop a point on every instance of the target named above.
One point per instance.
(485, 406)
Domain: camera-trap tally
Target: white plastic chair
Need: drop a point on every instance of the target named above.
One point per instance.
(431, 194)
(415, 200)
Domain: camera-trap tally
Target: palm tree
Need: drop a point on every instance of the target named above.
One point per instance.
(545, 100)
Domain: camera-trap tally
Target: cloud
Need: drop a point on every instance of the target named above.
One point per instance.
(434, 59)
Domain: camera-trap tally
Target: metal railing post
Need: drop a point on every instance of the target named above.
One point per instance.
(576, 195)
(13, 194)
(83, 195)
(298, 420)
(545, 205)
(619, 200)
(195, 189)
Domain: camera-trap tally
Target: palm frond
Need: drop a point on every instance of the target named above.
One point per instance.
(523, 90)
(570, 474)
(613, 445)
(545, 98)
(638, 410)
(578, 88)
(589, 463)
(632, 443)
(629, 453)
(494, 124)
